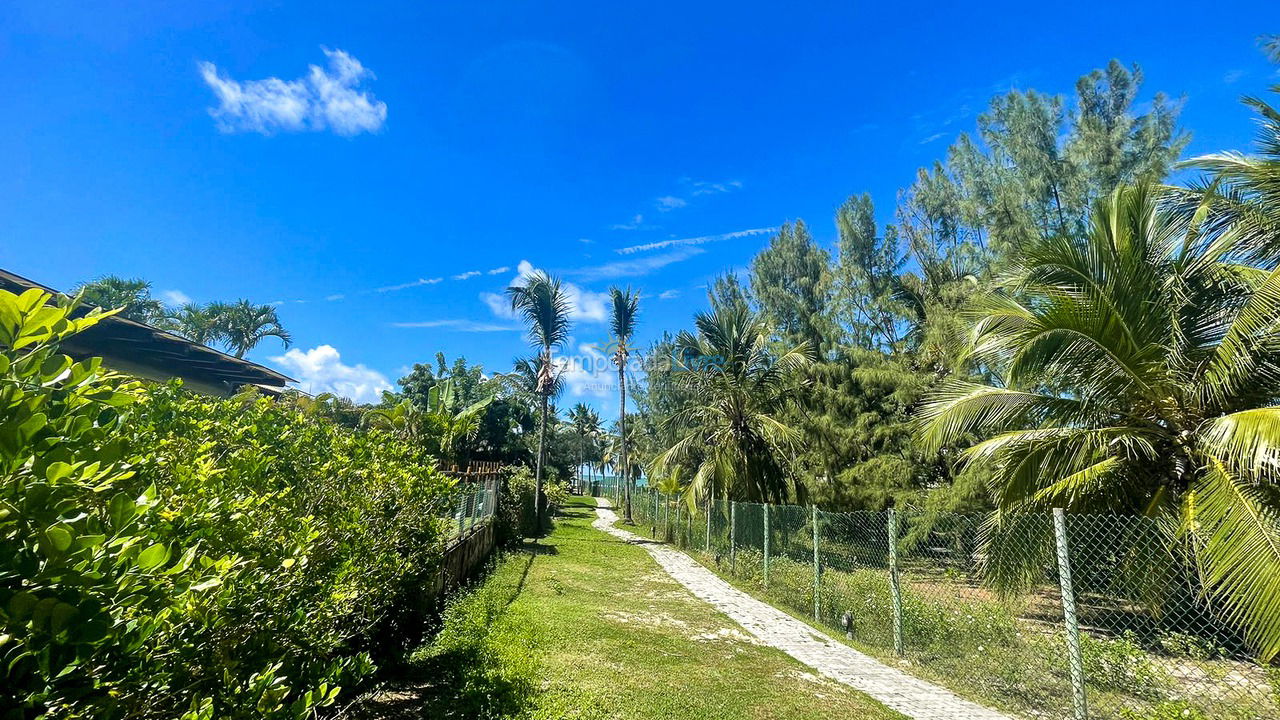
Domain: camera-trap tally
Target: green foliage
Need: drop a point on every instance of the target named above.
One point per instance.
(1120, 663)
(1167, 710)
(791, 284)
(1103, 405)
(162, 551)
(131, 296)
(735, 445)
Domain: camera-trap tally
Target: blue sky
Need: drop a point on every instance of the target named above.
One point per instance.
(383, 169)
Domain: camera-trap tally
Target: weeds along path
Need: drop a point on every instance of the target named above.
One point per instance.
(899, 691)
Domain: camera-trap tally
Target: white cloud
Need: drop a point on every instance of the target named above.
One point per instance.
(1233, 77)
(337, 296)
(467, 274)
(932, 138)
(633, 268)
(325, 99)
(668, 294)
(693, 240)
(587, 373)
(670, 202)
(584, 305)
(175, 297)
(416, 283)
(459, 325)
(321, 370)
(499, 270)
(585, 241)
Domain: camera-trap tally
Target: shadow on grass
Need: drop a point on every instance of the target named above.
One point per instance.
(470, 669)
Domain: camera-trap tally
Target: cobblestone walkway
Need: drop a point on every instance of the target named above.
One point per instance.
(895, 689)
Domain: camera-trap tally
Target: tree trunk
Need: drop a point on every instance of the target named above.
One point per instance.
(538, 503)
(622, 430)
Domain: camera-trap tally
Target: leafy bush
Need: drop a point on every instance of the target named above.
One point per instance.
(517, 513)
(161, 551)
(1170, 710)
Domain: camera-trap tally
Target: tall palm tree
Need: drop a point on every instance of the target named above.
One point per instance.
(626, 305)
(1138, 371)
(244, 325)
(737, 445)
(544, 306)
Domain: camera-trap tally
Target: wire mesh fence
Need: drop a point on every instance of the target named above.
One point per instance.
(475, 498)
(979, 606)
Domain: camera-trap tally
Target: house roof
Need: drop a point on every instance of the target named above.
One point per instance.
(138, 346)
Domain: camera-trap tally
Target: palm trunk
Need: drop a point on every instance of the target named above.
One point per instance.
(538, 504)
(622, 429)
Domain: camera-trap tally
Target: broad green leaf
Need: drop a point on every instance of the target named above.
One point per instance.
(153, 556)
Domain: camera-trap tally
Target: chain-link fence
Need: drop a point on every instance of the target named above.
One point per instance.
(978, 606)
(475, 497)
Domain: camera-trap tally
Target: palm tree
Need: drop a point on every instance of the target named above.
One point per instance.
(543, 304)
(1138, 370)
(626, 304)
(586, 423)
(736, 445)
(131, 294)
(244, 325)
(1244, 193)
(200, 323)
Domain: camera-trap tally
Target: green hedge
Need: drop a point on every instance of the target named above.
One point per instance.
(172, 556)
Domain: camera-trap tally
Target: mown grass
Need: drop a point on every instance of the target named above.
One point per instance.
(582, 625)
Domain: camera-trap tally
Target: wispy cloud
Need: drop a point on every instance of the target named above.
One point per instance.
(325, 99)
(670, 202)
(459, 325)
(932, 138)
(335, 296)
(499, 270)
(467, 274)
(175, 297)
(668, 294)
(702, 240)
(1233, 76)
(404, 286)
(704, 187)
(636, 223)
(632, 268)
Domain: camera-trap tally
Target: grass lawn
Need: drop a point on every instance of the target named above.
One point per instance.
(582, 625)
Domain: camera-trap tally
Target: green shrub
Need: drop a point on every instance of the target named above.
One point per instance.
(1121, 664)
(161, 551)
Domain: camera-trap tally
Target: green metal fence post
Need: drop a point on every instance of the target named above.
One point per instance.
(1076, 665)
(733, 536)
(895, 585)
(817, 567)
(678, 539)
(766, 544)
(708, 525)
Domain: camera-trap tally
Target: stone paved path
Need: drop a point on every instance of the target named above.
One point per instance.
(895, 689)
